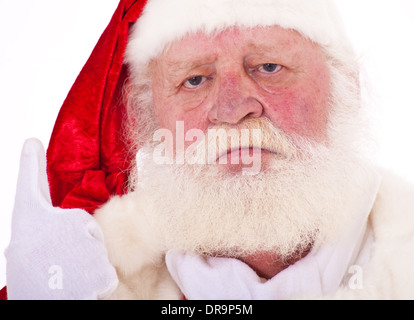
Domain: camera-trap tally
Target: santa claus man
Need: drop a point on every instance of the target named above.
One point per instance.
(220, 147)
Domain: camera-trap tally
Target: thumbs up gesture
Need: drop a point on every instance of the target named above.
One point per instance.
(53, 253)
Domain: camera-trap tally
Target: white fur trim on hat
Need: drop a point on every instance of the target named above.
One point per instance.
(164, 21)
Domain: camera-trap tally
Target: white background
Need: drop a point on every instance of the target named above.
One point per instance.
(44, 44)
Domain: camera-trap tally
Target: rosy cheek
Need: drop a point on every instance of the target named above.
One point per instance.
(297, 112)
(195, 125)
(178, 122)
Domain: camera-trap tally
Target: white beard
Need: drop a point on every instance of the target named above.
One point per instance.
(293, 203)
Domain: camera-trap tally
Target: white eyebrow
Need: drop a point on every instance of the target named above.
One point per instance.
(185, 65)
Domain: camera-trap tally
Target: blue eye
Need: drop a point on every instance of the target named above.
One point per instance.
(194, 82)
(270, 68)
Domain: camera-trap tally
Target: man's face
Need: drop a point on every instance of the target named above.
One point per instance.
(278, 80)
(239, 74)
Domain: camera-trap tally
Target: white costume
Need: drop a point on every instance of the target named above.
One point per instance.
(371, 260)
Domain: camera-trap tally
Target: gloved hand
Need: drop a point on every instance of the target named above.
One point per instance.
(54, 253)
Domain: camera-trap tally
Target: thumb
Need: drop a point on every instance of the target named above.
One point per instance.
(32, 183)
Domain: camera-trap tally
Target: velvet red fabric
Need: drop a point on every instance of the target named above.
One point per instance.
(3, 294)
(87, 160)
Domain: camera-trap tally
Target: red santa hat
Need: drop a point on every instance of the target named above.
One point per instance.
(87, 158)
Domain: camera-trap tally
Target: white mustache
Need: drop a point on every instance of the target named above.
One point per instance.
(258, 133)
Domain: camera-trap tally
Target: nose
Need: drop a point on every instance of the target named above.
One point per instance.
(235, 101)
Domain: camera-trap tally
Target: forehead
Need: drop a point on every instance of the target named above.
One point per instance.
(200, 47)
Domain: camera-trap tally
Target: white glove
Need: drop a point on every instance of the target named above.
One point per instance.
(54, 253)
